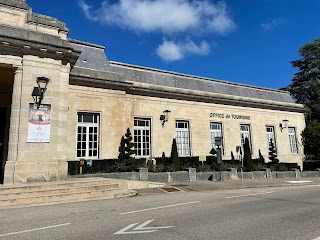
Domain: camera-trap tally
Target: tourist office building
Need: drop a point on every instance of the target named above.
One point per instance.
(63, 100)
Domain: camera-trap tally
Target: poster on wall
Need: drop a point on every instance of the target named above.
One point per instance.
(39, 123)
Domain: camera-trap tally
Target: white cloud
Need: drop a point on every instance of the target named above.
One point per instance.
(171, 51)
(272, 23)
(166, 16)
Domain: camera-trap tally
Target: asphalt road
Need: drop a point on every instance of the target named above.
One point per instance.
(255, 213)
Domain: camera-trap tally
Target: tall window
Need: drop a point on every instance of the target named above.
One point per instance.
(215, 131)
(244, 133)
(292, 140)
(87, 135)
(142, 137)
(270, 135)
(182, 138)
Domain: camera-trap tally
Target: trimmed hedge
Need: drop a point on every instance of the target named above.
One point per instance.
(164, 164)
(106, 166)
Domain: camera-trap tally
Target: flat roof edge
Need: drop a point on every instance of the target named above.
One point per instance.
(195, 77)
(85, 43)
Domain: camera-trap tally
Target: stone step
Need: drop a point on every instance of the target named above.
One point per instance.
(111, 193)
(54, 185)
(69, 197)
(71, 190)
(47, 191)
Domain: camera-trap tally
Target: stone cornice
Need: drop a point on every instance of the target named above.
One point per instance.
(87, 77)
(30, 42)
(14, 3)
(190, 95)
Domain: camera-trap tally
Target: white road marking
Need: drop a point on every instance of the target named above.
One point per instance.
(299, 181)
(252, 194)
(35, 229)
(140, 229)
(155, 208)
(318, 238)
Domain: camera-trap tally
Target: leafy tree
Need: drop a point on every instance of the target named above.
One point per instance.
(273, 153)
(311, 139)
(247, 159)
(305, 86)
(174, 156)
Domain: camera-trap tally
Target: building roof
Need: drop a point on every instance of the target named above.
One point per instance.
(93, 57)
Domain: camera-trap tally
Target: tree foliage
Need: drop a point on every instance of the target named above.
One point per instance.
(126, 147)
(311, 140)
(273, 153)
(247, 159)
(305, 86)
(174, 156)
(261, 156)
(233, 160)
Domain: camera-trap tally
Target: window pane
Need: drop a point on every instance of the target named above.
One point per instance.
(142, 136)
(87, 135)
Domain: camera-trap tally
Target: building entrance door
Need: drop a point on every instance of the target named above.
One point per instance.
(3, 114)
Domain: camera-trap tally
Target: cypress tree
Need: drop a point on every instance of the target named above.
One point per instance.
(174, 156)
(247, 160)
(128, 145)
(272, 153)
(261, 157)
(121, 155)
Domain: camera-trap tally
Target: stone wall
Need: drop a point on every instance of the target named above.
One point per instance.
(118, 110)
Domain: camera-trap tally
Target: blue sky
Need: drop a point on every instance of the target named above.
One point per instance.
(247, 41)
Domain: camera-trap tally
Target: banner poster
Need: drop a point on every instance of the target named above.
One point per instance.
(39, 123)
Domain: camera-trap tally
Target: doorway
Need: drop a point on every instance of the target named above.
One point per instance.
(3, 116)
(6, 87)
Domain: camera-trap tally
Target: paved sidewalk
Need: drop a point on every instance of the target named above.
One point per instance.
(200, 185)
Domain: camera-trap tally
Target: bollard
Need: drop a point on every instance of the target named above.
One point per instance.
(192, 174)
(234, 173)
(143, 174)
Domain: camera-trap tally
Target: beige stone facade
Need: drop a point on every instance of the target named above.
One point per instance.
(118, 93)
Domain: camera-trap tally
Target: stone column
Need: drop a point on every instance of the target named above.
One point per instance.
(14, 127)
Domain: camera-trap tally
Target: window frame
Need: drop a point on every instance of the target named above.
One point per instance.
(295, 146)
(83, 124)
(141, 129)
(182, 132)
(212, 131)
(274, 137)
(249, 136)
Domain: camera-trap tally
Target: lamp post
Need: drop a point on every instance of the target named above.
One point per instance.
(164, 117)
(218, 143)
(238, 149)
(38, 92)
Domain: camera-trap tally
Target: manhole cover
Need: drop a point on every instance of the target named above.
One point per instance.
(170, 189)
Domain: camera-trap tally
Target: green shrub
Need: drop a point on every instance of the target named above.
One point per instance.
(174, 156)
(247, 160)
(273, 153)
(204, 168)
(309, 165)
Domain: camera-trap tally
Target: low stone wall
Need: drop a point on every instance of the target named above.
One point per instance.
(192, 175)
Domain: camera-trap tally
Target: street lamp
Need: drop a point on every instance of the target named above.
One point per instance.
(38, 92)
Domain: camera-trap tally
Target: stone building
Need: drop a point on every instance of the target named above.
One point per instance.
(90, 101)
